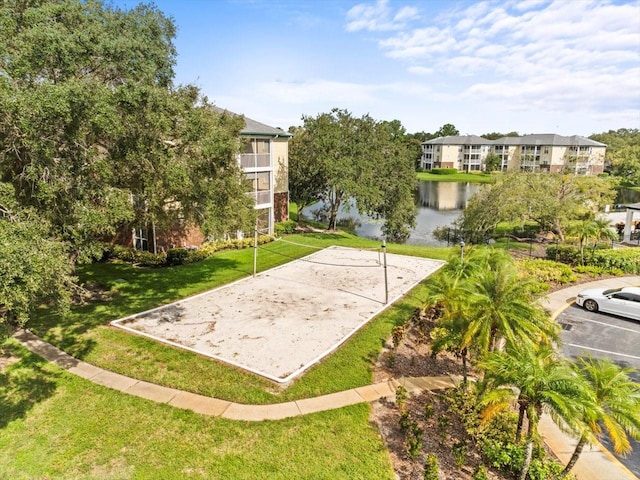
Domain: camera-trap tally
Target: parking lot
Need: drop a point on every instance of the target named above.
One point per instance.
(603, 336)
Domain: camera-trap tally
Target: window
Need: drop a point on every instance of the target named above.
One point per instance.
(259, 186)
(257, 153)
(141, 239)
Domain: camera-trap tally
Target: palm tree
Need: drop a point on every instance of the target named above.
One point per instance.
(448, 290)
(539, 380)
(602, 231)
(617, 409)
(503, 307)
(584, 230)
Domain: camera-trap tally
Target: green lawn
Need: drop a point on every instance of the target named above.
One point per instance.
(479, 177)
(55, 425)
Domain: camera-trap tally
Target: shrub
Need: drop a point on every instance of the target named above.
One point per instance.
(210, 247)
(626, 260)
(544, 469)
(546, 271)
(177, 256)
(460, 453)
(401, 396)
(443, 171)
(414, 440)
(431, 468)
(286, 227)
(507, 457)
(136, 257)
(480, 473)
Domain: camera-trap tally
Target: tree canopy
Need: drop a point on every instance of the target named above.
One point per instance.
(549, 200)
(90, 118)
(623, 153)
(93, 133)
(337, 158)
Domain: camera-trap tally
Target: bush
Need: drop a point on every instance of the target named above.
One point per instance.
(443, 171)
(286, 227)
(626, 260)
(177, 256)
(209, 248)
(136, 257)
(431, 468)
(546, 271)
(480, 473)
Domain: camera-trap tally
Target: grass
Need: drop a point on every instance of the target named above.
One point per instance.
(57, 426)
(85, 333)
(479, 177)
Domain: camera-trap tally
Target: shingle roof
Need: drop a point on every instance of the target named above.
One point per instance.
(550, 139)
(458, 140)
(253, 127)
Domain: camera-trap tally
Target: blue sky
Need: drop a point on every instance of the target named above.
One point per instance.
(533, 66)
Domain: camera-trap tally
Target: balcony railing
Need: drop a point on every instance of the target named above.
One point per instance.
(261, 197)
(255, 160)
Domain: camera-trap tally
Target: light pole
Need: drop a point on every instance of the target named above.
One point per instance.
(461, 250)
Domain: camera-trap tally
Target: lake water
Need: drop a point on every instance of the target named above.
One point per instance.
(439, 204)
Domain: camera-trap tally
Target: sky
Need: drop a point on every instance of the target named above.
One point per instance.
(570, 67)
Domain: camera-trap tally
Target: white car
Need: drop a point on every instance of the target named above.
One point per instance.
(619, 301)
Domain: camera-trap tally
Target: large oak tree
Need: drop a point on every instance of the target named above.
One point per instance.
(337, 158)
(95, 135)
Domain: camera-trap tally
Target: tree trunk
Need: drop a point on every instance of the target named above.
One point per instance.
(333, 212)
(521, 411)
(464, 368)
(574, 457)
(528, 453)
(532, 415)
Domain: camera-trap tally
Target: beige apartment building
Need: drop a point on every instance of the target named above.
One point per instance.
(529, 153)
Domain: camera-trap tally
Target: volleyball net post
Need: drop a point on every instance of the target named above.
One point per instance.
(386, 283)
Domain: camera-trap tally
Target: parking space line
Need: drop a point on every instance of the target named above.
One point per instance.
(602, 351)
(609, 325)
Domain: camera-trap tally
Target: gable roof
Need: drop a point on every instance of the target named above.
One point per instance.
(253, 127)
(458, 140)
(550, 139)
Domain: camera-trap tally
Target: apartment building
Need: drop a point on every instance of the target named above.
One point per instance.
(529, 153)
(265, 161)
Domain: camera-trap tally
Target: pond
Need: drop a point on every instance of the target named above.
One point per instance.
(439, 204)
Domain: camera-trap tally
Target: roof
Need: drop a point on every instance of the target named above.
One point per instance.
(253, 127)
(551, 139)
(458, 140)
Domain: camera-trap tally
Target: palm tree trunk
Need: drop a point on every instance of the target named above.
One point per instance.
(574, 457)
(532, 415)
(528, 454)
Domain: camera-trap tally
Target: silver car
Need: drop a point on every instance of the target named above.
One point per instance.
(624, 301)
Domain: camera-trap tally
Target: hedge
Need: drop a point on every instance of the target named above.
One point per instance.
(178, 256)
(626, 260)
(443, 171)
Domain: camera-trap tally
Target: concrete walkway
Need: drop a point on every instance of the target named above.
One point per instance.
(222, 408)
(595, 463)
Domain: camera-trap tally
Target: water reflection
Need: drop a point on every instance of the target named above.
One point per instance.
(439, 204)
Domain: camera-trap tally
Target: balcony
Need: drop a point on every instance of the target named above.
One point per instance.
(255, 160)
(261, 197)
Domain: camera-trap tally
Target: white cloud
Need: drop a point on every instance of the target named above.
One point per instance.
(556, 55)
(379, 17)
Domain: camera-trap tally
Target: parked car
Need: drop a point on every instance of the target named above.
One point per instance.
(623, 301)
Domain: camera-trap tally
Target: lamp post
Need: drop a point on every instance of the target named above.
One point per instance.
(461, 250)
